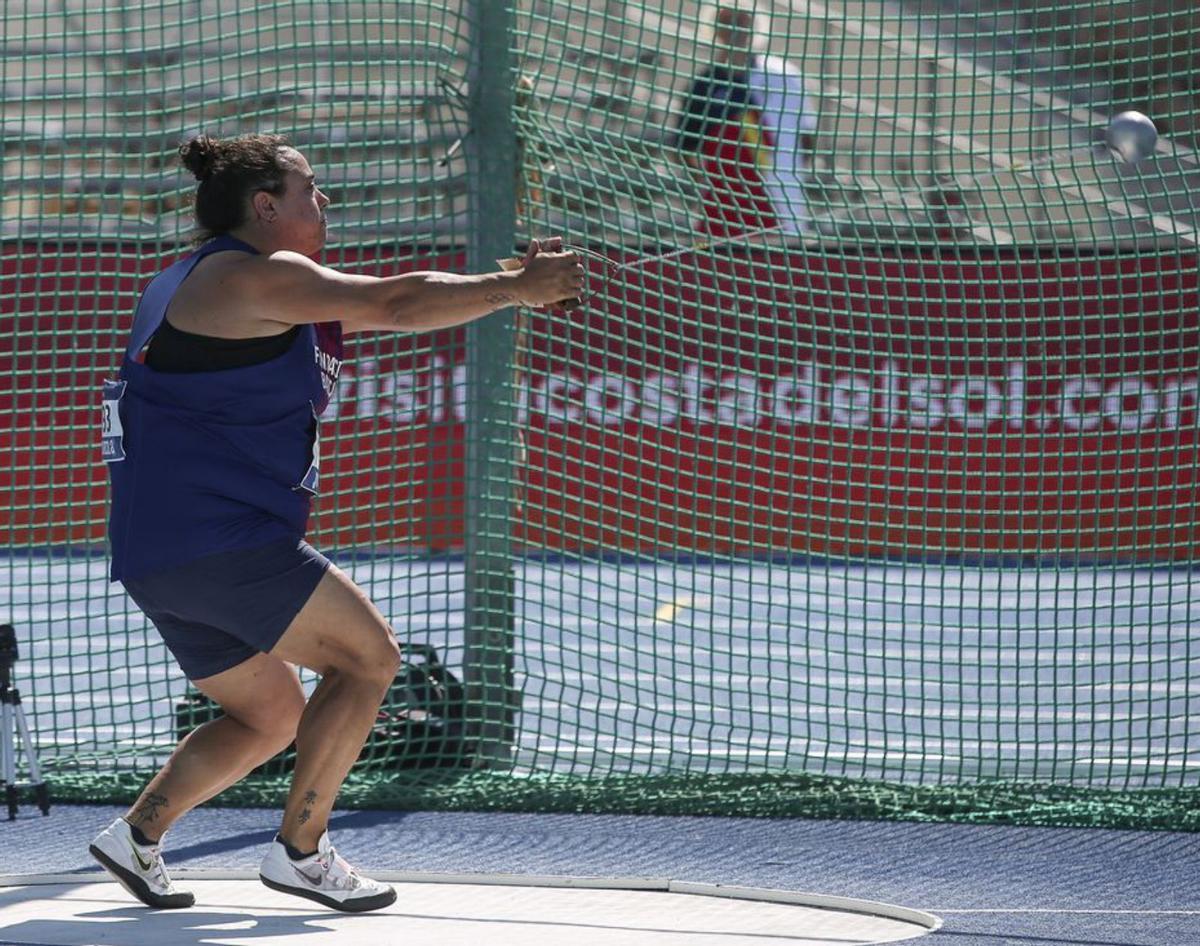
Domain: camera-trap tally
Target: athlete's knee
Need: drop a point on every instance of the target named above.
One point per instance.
(288, 718)
(275, 718)
(371, 665)
(283, 733)
(383, 663)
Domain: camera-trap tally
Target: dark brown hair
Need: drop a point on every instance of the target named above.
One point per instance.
(230, 172)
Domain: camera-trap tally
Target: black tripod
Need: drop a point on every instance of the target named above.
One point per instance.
(12, 719)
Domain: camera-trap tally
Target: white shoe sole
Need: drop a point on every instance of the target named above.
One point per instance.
(138, 887)
(353, 905)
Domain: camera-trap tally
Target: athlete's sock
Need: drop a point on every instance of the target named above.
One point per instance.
(138, 837)
(292, 852)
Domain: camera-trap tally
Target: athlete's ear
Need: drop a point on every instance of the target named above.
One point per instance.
(264, 205)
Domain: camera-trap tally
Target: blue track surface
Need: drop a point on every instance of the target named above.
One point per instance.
(993, 886)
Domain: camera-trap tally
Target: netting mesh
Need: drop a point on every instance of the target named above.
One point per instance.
(860, 486)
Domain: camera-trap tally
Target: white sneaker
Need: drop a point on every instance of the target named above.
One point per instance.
(138, 868)
(324, 877)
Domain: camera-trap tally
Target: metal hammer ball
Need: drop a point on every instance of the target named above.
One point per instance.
(1131, 137)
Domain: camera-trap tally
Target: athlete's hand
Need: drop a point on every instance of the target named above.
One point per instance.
(549, 276)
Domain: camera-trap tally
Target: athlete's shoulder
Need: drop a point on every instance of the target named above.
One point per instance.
(291, 258)
(267, 270)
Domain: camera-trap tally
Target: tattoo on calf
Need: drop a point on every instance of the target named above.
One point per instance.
(306, 814)
(148, 808)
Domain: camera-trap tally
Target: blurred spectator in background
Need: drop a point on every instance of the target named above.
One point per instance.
(747, 129)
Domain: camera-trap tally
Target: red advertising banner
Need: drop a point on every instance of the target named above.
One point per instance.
(759, 403)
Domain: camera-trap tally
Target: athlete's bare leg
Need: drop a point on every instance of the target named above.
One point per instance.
(262, 700)
(343, 637)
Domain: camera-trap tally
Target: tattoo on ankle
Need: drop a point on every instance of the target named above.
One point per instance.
(306, 814)
(147, 809)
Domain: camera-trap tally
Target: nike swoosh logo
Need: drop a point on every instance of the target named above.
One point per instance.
(316, 882)
(145, 865)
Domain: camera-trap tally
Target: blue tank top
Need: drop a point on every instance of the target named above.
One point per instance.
(211, 461)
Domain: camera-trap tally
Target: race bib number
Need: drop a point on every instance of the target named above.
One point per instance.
(112, 435)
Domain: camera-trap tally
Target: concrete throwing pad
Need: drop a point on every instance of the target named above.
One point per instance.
(83, 911)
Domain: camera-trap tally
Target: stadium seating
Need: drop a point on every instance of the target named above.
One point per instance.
(95, 102)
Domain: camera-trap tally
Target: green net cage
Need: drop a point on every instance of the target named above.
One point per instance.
(860, 485)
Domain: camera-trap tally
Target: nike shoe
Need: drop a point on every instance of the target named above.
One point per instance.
(324, 877)
(138, 868)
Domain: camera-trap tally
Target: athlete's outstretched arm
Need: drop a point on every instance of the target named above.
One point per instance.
(290, 288)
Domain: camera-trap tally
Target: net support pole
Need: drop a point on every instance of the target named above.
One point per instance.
(491, 438)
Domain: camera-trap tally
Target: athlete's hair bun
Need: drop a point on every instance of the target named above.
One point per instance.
(231, 171)
(199, 155)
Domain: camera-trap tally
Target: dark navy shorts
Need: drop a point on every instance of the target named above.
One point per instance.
(220, 610)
